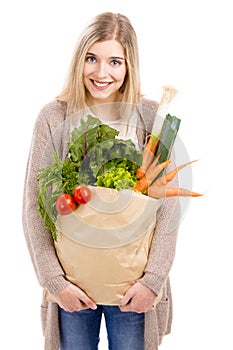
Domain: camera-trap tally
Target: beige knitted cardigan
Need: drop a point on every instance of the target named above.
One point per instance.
(41, 246)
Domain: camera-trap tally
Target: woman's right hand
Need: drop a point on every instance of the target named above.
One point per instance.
(72, 298)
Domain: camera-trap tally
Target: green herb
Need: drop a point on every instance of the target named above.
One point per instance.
(55, 179)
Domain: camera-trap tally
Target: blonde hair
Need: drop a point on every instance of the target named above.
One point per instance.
(105, 26)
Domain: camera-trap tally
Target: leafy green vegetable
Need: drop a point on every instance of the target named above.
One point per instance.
(90, 133)
(118, 173)
(95, 157)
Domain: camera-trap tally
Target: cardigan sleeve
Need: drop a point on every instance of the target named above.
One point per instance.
(39, 240)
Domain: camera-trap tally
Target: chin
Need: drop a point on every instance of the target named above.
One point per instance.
(101, 96)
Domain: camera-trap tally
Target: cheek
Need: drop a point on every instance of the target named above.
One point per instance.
(87, 69)
(120, 74)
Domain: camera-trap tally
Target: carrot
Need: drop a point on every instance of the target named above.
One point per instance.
(159, 188)
(160, 192)
(163, 180)
(147, 156)
(154, 170)
(174, 191)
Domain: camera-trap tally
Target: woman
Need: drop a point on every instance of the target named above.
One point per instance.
(104, 75)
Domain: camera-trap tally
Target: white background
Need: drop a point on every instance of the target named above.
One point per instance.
(186, 44)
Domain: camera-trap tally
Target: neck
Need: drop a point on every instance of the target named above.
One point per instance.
(105, 110)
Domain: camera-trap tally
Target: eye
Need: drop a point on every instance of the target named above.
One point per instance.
(115, 63)
(91, 59)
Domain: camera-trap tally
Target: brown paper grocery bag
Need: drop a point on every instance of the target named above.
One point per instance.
(103, 246)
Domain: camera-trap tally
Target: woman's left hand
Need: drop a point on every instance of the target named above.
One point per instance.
(138, 298)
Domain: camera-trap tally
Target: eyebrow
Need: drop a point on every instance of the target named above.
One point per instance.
(112, 57)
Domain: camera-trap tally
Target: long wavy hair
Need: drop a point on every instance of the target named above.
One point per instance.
(105, 26)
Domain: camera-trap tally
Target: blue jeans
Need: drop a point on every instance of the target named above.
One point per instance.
(80, 330)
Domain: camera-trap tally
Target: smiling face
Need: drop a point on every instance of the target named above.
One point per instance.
(104, 72)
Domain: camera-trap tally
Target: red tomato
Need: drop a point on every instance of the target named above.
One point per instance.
(82, 194)
(65, 204)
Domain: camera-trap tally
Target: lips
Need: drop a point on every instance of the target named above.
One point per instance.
(100, 85)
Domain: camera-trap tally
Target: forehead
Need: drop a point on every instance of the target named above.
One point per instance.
(108, 48)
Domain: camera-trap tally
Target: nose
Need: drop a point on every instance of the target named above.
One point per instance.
(102, 71)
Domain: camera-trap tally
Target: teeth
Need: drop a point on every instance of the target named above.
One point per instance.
(100, 84)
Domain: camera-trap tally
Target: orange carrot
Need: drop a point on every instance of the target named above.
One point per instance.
(147, 156)
(153, 171)
(160, 192)
(174, 191)
(141, 185)
(170, 176)
(159, 188)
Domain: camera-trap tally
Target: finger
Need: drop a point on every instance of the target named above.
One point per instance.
(126, 308)
(132, 308)
(88, 302)
(76, 305)
(67, 308)
(127, 298)
(81, 297)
